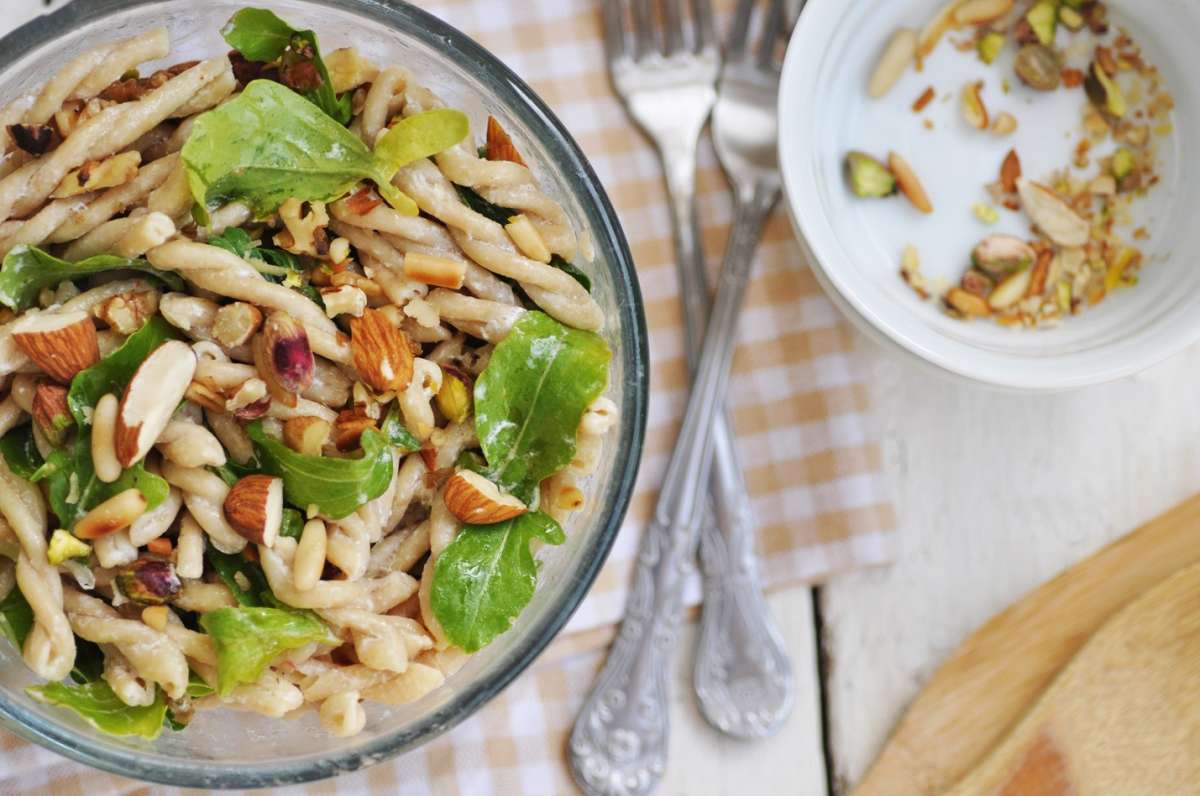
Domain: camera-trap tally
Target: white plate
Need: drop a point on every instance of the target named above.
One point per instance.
(856, 244)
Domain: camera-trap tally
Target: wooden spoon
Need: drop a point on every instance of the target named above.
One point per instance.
(1123, 719)
(997, 674)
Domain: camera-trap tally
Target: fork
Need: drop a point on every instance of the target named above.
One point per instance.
(619, 742)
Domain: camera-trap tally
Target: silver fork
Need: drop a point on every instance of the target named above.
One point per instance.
(619, 742)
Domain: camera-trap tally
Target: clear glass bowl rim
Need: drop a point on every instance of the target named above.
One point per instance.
(611, 247)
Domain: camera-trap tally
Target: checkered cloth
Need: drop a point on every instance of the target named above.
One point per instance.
(798, 400)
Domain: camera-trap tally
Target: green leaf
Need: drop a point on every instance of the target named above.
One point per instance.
(229, 565)
(397, 434)
(96, 703)
(336, 486)
(293, 524)
(21, 452)
(531, 397)
(247, 639)
(27, 270)
(483, 207)
(197, 688)
(422, 135)
(486, 576)
(237, 241)
(113, 373)
(576, 274)
(259, 35)
(89, 661)
(73, 489)
(16, 617)
(270, 144)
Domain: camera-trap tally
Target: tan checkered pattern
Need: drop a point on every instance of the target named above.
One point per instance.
(799, 403)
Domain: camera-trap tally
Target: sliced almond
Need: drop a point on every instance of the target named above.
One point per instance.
(437, 271)
(895, 59)
(1010, 171)
(254, 508)
(61, 344)
(1052, 215)
(474, 499)
(974, 111)
(500, 145)
(967, 304)
(159, 384)
(1041, 273)
(118, 512)
(909, 184)
(937, 27)
(1011, 290)
(975, 12)
(381, 352)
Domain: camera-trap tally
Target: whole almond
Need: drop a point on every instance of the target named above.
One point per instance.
(157, 387)
(473, 499)
(61, 344)
(909, 184)
(254, 508)
(381, 352)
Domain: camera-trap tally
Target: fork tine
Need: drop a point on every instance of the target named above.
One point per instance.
(672, 25)
(740, 30)
(770, 34)
(644, 40)
(614, 30)
(703, 17)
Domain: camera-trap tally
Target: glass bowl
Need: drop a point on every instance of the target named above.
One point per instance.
(234, 749)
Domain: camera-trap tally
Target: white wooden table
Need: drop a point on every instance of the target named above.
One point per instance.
(995, 493)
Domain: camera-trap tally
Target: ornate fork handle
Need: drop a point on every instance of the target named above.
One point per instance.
(619, 744)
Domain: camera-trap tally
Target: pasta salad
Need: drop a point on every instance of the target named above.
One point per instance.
(297, 380)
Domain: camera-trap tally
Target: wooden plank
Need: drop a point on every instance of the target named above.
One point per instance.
(703, 761)
(996, 493)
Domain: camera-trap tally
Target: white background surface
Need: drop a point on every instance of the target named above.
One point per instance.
(995, 493)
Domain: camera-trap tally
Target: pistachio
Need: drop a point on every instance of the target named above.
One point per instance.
(1043, 19)
(1039, 67)
(149, 581)
(1123, 164)
(1070, 18)
(868, 177)
(63, 546)
(1001, 255)
(1104, 91)
(453, 398)
(977, 283)
(990, 47)
(283, 357)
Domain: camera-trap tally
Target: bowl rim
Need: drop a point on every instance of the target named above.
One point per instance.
(565, 153)
(992, 369)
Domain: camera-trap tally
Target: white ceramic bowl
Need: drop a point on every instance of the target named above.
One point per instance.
(855, 244)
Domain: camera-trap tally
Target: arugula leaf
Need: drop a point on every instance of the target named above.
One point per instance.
(16, 617)
(579, 276)
(74, 489)
(229, 565)
(259, 35)
(20, 452)
(113, 373)
(247, 639)
(89, 661)
(337, 486)
(197, 688)
(483, 207)
(530, 399)
(396, 433)
(486, 576)
(269, 144)
(237, 241)
(293, 524)
(96, 704)
(27, 270)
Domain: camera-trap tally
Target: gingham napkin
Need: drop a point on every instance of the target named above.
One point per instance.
(798, 398)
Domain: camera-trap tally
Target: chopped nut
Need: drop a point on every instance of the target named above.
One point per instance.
(305, 223)
(155, 616)
(967, 304)
(1043, 19)
(306, 434)
(974, 111)
(528, 239)
(868, 177)
(339, 250)
(1103, 185)
(33, 138)
(348, 69)
(1070, 18)
(1001, 255)
(149, 581)
(1104, 91)
(910, 270)
(1005, 124)
(63, 546)
(438, 271)
(236, 323)
(923, 101)
(363, 201)
(1096, 16)
(985, 213)
(349, 427)
(990, 47)
(127, 312)
(344, 300)
(93, 175)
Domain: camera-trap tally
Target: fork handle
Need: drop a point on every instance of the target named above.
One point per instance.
(619, 744)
